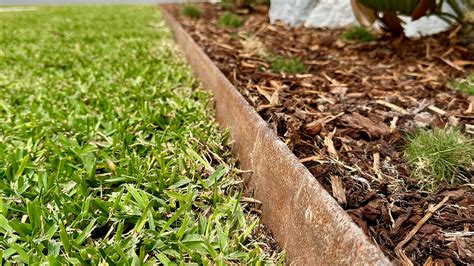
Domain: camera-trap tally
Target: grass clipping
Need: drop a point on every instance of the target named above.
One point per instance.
(439, 156)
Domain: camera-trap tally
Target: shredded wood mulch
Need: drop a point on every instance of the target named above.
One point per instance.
(346, 119)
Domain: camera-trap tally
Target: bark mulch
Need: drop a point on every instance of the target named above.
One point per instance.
(346, 119)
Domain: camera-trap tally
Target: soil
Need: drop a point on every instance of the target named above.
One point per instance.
(346, 119)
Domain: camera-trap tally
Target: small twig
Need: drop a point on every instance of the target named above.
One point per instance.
(334, 117)
(328, 142)
(394, 107)
(437, 110)
(338, 190)
(451, 64)
(431, 210)
(376, 165)
(428, 262)
(315, 158)
(445, 113)
(459, 234)
(390, 207)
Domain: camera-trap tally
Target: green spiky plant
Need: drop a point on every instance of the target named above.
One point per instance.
(438, 156)
(464, 84)
(358, 34)
(236, 4)
(288, 65)
(230, 20)
(190, 11)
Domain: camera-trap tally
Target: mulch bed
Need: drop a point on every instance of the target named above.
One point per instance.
(346, 119)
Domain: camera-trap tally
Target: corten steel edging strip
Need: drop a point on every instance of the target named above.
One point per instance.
(306, 221)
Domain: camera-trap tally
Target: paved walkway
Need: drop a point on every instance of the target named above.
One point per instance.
(16, 9)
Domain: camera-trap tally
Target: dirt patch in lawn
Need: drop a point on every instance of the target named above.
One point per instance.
(346, 118)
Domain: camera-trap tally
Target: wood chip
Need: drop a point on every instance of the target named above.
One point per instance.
(225, 46)
(452, 64)
(334, 82)
(429, 261)
(393, 124)
(470, 129)
(315, 158)
(459, 234)
(338, 190)
(361, 122)
(376, 164)
(470, 109)
(437, 110)
(275, 99)
(248, 65)
(394, 107)
(463, 63)
(317, 125)
(431, 210)
(330, 145)
(302, 76)
(264, 93)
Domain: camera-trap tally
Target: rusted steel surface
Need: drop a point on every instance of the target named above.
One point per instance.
(305, 220)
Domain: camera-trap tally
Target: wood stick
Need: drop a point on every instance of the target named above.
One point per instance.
(431, 210)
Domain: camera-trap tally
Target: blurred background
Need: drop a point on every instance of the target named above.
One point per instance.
(41, 2)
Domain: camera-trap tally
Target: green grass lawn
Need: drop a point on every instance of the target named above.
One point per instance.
(108, 151)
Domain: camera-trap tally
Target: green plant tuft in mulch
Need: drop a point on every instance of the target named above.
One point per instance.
(281, 64)
(464, 85)
(235, 4)
(190, 11)
(438, 156)
(358, 34)
(108, 155)
(230, 20)
(227, 4)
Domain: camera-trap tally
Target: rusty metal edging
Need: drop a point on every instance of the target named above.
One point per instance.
(305, 220)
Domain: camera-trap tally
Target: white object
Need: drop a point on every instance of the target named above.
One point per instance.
(331, 13)
(294, 12)
(428, 25)
(338, 13)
